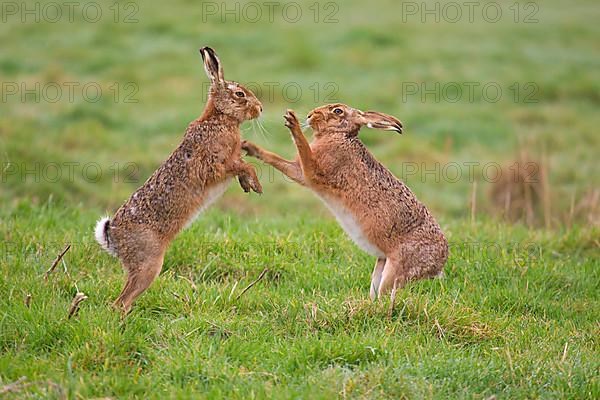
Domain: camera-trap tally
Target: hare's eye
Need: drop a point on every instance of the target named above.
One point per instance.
(240, 94)
(338, 111)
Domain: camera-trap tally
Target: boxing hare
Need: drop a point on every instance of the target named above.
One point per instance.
(194, 176)
(379, 212)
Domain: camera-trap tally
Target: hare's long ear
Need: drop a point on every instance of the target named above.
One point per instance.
(212, 65)
(377, 120)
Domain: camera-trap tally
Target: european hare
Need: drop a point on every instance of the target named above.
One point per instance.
(379, 212)
(191, 179)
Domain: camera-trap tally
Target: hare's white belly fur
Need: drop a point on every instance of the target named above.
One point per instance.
(211, 195)
(349, 223)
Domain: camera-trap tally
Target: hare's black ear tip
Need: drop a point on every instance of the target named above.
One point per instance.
(204, 50)
(398, 128)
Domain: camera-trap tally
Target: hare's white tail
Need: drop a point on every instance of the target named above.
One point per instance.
(102, 237)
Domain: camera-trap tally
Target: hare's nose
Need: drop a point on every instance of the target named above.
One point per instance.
(310, 115)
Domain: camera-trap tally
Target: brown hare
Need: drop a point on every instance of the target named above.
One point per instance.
(191, 179)
(379, 212)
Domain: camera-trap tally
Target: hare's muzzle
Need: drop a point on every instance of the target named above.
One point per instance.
(257, 111)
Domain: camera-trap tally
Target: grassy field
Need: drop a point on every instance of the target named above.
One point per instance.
(517, 315)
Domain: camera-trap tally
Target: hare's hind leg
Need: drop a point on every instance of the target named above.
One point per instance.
(391, 276)
(139, 277)
(376, 277)
(410, 262)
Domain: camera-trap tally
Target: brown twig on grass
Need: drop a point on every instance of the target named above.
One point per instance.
(262, 274)
(79, 297)
(56, 261)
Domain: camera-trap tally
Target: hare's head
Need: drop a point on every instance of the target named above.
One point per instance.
(228, 97)
(344, 120)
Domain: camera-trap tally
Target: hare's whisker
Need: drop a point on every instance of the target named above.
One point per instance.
(254, 128)
(265, 132)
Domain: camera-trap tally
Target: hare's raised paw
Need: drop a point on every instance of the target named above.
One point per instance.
(248, 183)
(256, 186)
(250, 148)
(291, 121)
(244, 181)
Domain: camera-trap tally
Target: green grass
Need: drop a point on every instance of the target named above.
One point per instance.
(517, 315)
(368, 62)
(518, 320)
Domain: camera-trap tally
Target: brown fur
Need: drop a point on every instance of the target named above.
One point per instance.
(208, 156)
(338, 167)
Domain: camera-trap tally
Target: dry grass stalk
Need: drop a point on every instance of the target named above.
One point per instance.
(56, 261)
(546, 198)
(74, 308)
(473, 201)
(521, 189)
(262, 275)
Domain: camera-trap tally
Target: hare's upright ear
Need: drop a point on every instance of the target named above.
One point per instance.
(212, 65)
(377, 120)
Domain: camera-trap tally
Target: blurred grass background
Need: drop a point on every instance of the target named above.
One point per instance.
(373, 55)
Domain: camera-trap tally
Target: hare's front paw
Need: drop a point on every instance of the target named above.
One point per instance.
(291, 121)
(249, 182)
(256, 186)
(244, 182)
(251, 149)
